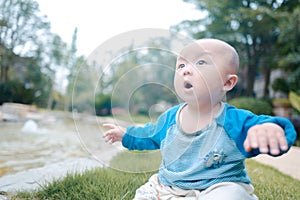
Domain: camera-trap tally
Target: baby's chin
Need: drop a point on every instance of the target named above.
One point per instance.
(192, 96)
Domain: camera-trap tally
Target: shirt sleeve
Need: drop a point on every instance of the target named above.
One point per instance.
(149, 136)
(238, 122)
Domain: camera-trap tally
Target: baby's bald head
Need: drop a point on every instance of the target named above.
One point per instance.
(221, 52)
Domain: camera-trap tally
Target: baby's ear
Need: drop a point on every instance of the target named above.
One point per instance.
(231, 81)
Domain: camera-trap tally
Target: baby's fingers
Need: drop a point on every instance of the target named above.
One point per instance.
(114, 134)
(268, 138)
(107, 136)
(110, 126)
(251, 141)
(277, 142)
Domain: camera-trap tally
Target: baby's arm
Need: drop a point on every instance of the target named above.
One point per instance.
(268, 137)
(114, 134)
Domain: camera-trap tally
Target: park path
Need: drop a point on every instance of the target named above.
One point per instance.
(288, 163)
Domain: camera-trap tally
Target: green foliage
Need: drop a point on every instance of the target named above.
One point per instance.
(294, 100)
(6, 92)
(103, 104)
(21, 33)
(81, 87)
(142, 78)
(109, 184)
(150, 94)
(265, 34)
(257, 106)
(27, 84)
(15, 91)
(21, 23)
(288, 39)
(280, 84)
(293, 79)
(30, 55)
(291, 83)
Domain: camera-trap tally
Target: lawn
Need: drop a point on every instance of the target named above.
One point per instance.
(270, 184)
(110, 184)
(131, 169)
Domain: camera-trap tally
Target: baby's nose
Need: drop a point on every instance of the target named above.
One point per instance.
(187, 70)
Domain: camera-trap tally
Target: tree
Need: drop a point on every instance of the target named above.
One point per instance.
(21, 32)
(289, 46)
(27, 83)
(250, 25)
(152, 70)
(82, 86)
(31, 55)
(71, 66)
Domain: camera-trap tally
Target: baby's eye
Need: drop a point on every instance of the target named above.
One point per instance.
(181, 66)
(201, 62)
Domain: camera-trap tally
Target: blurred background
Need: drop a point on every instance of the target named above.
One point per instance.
(48, 69)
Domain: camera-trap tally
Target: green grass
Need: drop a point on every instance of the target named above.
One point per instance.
(95, 184)
(148, 161)
(270, 184)
(110, 184)
(131, 119)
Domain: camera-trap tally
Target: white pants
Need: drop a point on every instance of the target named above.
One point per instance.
(221, 191)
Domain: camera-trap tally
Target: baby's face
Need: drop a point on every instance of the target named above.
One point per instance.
(201, 71)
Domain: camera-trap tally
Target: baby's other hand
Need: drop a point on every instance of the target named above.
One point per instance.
(114, 134)
(268, 137)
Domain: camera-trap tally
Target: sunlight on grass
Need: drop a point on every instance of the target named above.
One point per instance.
(109, 184)
(270, 184)
(96, 184)
(136, 161)
(139, 119)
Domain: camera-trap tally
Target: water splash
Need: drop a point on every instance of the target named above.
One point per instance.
(30, 126)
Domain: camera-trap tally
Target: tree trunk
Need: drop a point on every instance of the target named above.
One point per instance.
(251, 70)
(50, 100)
(1, 74)
(4, 74)
(250, 79)
(267, 75)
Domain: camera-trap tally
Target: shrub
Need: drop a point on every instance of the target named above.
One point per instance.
(103, 104)
(257, 106)
(280, 84)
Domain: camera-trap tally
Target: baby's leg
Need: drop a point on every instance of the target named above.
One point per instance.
(154, 190)
(229, 191)
(148, 190)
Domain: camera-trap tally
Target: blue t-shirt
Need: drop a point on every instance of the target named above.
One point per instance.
(212, 155)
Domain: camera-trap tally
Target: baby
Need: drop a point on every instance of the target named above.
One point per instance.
(204, 142)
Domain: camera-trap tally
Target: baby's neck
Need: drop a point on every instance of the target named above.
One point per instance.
(193, 119)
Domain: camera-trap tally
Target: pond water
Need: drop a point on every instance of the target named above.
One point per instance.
(30, 145)
(25, 149)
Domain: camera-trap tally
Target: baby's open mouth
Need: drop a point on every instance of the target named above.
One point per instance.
(188, 85)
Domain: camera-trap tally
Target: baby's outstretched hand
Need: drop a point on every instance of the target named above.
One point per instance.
(114, 134)
(268, 137)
